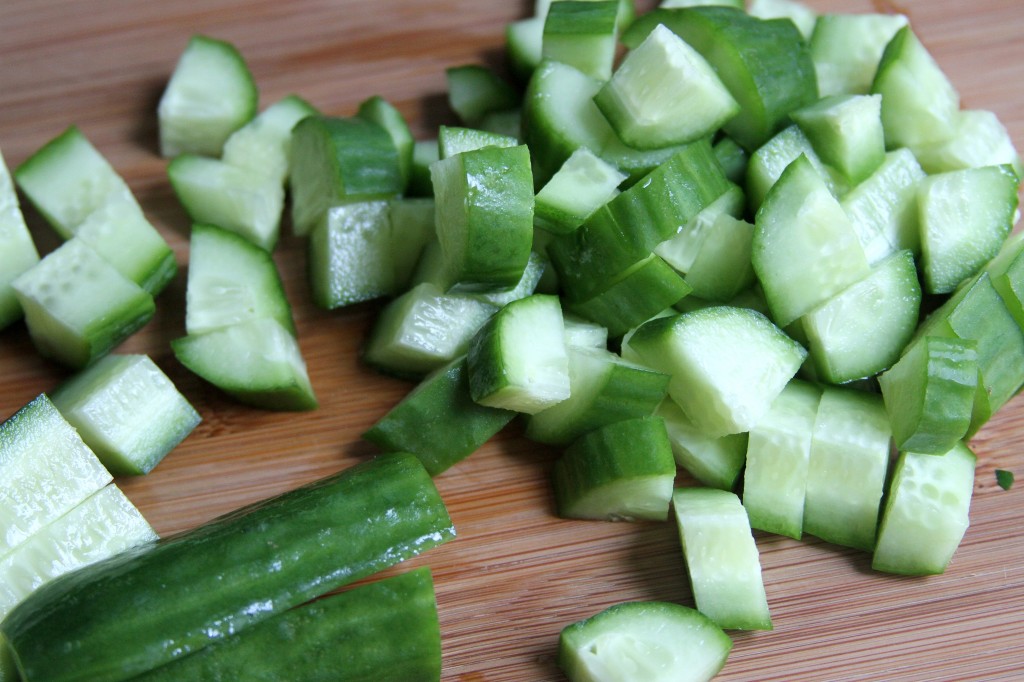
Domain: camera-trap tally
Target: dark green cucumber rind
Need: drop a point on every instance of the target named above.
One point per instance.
(378, 110)
(485, 216)
(765, 64)
(603, 389)
(438, 421)
(634, 297)
(335, 160)
(147, 607)
(627, 229)
(929, 393)
(614, 454)
(387, 629)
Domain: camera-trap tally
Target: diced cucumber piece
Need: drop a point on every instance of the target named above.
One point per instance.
(976, 312)
(411, 223)
(926, 512)
(627, 10)
(350, 255)
(862, 330)
(45, 471)
(127, 411)
(424, 329)
(721, 558)
(965, 216)
(120, 233)
(805, 249)
(339, 160)
(67, 179)
(210, 95)
(1006, 271)
(929, 393)
(657, 79)
(846, 131)
(264, 143)
(584, 333)
(847, 468)
(485, 216)
(765, 64)
(919, 104)
(231, 280)
(603, 389)
(653, 641)
(727, 364)
(644, 289)
(236, 198)
(387, 116)
(78, 307)
(801, 15)
(721, 268)
(883, 208)
(475, 90)
(17, 250)
(517, 360)
(979, 139)
(622, 471)
(431, 268)
(386, 629)
(770, 160)
(98, 527)
(674, 4)
(714, 461)
(584, 183)
(777, 457)
(424, 153)
(847, 47)
(681, 249)
(524, 44)
(452, 140)
(733, 158)
(438, 421)
(198, 587)
(582, 34)
(508, 123)
(257, 361)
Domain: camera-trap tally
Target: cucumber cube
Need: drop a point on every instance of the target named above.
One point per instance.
(847, 47)
(622, 471)
(127, 411)
(979, 139)
(17, 250)
(387, 116)
(583, 34)
(727, 364)
(802, 16)
(721, 268)
(660, 78)
(579, 187)
(721, 558)
(926, 513)
(45, 471)
(264, 143)
(846, 131)
(1006, 272)
(770, 160)
(350, 255)
(847, 468)
(210, 95)
(452, 140)
(650, 641)
(78, 307)
(681, 249)
(714, 461)
(475, 90)
(929, 393)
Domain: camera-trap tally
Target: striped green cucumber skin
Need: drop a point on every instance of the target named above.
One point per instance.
(623, 471)
(847, 468)
(142, 609)
(722, 558)
(926, 513)
(438, 421)
(650, 641)
(45, 471)
(929, 393)
(385, 630)
(603, 388)
(128, 412)
(765, 64)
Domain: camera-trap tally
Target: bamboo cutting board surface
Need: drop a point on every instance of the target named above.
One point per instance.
(516, 574)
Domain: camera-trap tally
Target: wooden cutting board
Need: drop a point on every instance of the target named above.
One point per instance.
(516, 574)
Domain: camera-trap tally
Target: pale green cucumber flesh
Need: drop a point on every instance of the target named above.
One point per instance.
(846, 49)
(264, 143)
(714, 461)
(17, 250)
(583, 35)
(351, 255)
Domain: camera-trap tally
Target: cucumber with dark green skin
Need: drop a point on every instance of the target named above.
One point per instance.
(145, 608)
(385, 630)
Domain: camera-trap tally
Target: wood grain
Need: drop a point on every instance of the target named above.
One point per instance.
(516, 574)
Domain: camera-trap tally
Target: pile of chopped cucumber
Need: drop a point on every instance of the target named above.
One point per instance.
(762, 246)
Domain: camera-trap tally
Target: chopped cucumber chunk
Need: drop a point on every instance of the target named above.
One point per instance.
(846, 131)
(847, 47)
(264, 143)
(579, 187)
(582, 34)
(715, 461)
(17, 249)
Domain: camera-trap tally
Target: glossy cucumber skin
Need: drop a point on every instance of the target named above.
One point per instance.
(385, 630)
(147, 607)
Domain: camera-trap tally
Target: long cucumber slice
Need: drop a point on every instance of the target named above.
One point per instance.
(387, 629)
(652, 641)
(188, 591)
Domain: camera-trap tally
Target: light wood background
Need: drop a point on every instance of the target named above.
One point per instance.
(516, 574)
